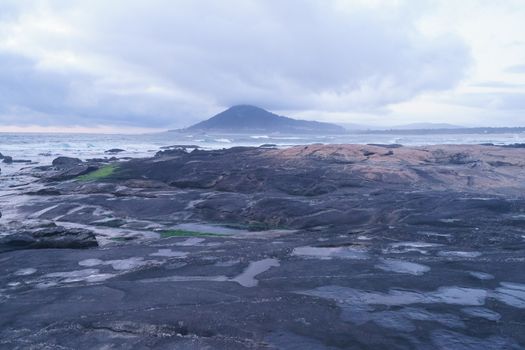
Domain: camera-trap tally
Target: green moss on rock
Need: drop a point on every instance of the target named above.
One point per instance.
(99, 174)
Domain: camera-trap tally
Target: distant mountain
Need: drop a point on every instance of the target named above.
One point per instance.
(458, 131)
(246, 118)
(354, 126)
(425, 126)
(413, 126)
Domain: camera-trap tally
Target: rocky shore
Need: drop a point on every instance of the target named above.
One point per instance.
(308, 247)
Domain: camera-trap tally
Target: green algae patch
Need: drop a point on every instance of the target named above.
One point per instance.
(99, 174)
(187, 233)
(255, 226)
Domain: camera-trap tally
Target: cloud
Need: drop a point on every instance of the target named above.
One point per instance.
(169, 63)
(499, 84)
(495, 101)
(519, 68)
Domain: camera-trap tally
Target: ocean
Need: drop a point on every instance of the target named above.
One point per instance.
(42, 148)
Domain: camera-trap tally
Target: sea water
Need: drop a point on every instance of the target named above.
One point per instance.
(42, 148)
(41, 145)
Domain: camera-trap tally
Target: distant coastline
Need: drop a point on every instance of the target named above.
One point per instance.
(477, 130)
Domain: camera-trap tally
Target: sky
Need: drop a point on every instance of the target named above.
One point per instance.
(134, 66)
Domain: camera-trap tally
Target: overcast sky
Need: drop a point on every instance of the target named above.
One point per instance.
(132, 65)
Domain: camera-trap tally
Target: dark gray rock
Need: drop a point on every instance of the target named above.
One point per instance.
(71, 173)
(45, 192)
(417, 250)
(66, 162)
(515, 145)
(56, 237)
(498, 163)
(10, 160)
(183, 147)
(171, 152)
(390, 145)
(115, 151)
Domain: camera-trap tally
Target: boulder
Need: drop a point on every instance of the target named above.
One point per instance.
(114, 150)
(8, 159)
(55, 237)
(71, 173)
(180, 147)
(171, 153)
(515, 145)
(66, 162)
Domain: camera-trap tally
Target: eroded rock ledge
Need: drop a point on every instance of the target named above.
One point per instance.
(319, 169)
(319, 247)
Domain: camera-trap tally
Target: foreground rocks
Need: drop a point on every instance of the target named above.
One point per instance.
(49, 237)
(67, 168)
(9, 160)
(66, 162)
(317, 169)
(114, 151)
(311, 247)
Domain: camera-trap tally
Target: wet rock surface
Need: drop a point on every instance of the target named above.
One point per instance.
(50, 237)
(114, 151)
(66, 162)
(311, 247)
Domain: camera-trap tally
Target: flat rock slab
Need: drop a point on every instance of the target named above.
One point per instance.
(243, 293)
(312, 247)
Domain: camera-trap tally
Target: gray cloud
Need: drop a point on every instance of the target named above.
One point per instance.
(519, 68)
(499, 84)
(504, 101)
(32, 96)
(166, 64)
